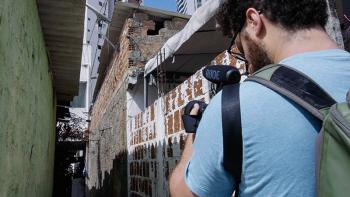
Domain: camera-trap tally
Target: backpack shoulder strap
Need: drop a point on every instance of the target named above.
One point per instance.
(232, 132)
(285, 81)
(296, 86)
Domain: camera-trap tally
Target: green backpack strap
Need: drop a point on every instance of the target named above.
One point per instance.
(296, 86)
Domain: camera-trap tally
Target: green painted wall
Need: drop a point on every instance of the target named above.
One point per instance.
(27, 115)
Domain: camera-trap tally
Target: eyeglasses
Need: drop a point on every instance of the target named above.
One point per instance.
(239, 56)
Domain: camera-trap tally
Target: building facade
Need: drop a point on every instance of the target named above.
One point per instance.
(189, 6)
(142, 33)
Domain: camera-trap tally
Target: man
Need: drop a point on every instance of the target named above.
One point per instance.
(278, 135)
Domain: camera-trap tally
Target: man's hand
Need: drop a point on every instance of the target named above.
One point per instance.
(177, 183)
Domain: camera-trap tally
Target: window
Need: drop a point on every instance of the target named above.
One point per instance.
(100, 3)
(158, 25)
(80, 100)
(199, 3)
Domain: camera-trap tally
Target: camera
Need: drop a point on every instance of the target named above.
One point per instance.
(220, 75)
(191, 121)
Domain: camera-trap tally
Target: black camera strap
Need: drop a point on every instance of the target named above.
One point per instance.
(232, 132)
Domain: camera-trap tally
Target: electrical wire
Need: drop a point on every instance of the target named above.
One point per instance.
(346, 17)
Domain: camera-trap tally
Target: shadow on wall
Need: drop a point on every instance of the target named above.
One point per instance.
(154, 145)
(151, 164)
(113, 183)
(150, 167)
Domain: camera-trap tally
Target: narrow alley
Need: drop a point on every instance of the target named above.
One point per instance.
(93, 92)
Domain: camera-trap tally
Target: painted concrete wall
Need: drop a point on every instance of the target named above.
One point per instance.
(27, 127)
(156, 138)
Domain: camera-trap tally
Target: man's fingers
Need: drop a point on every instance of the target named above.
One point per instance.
(195, 109)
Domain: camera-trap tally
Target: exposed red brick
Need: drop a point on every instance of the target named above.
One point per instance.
(198, 84)
(166, 102)
(173, 99)
(170, 129)
(219, 58)
(177, 121)
(152, 112)
(189, 89)
(180, 100)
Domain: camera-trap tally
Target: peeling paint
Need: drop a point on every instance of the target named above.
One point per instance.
(163, 147)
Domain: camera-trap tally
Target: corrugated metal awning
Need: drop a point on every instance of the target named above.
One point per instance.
(62, 23)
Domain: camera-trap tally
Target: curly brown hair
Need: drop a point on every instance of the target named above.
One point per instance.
(290, 14)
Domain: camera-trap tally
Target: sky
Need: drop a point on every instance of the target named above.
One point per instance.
(169, 5)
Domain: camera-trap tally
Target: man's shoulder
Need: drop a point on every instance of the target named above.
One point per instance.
(328, 68)
(250, 92)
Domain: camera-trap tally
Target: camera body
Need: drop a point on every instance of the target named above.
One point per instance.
(191, 122)
(220, 75)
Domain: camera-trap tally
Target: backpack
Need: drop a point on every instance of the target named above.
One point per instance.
(333, 141)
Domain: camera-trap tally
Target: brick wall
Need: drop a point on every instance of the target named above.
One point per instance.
(116, 75)
(107, 147)
(226, 59)
(136, 47)
(156, 138)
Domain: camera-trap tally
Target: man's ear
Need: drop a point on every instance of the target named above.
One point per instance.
(255, 24)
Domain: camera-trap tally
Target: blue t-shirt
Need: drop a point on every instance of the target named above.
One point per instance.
(278, 136)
